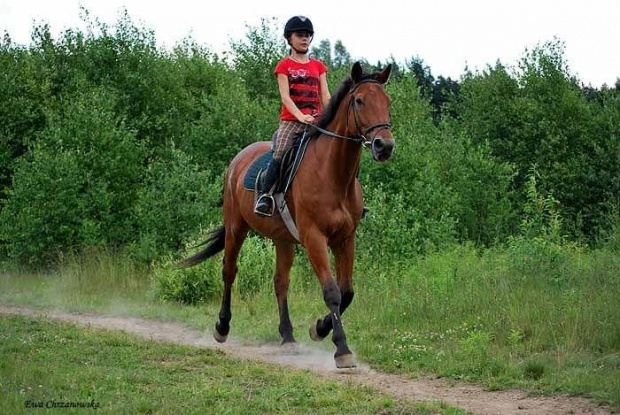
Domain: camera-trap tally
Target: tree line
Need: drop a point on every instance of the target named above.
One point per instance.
(109, 140)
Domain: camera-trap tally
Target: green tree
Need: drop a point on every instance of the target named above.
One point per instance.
(423, 77)
(323, 52)
(77, 186)
(22, 103)
(442, 93)
(539, 115)
(342, 58)
(255, 58)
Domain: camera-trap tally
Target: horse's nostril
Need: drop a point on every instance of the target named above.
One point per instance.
(378, 144)
(382, 148)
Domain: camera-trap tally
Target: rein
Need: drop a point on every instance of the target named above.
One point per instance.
(359, 137)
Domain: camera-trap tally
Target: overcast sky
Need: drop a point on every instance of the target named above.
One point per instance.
(447, 34)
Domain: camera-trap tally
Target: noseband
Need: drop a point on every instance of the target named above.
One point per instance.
(360, 136)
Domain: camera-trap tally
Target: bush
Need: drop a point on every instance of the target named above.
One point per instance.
(78, 185)
(227, 123)
(105, 139)
(22, 103)
(43, 214)
(255, 58)
(176, 198)
(189, 285)
(538, 114)
(396, 228)
(256, 266)
(541, 248)
(201, 282)
(475, 349)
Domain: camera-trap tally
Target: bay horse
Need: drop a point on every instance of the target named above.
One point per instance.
(325, 201)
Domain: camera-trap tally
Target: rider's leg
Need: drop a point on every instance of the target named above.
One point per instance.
(264, 205)
(286, 133)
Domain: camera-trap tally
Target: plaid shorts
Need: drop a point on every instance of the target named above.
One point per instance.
(286, 133)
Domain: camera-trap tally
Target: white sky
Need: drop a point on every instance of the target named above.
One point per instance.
(446, 34)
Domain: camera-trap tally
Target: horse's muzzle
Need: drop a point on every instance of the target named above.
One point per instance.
(382, 148)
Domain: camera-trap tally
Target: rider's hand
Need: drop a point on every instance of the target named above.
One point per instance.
(307, 118)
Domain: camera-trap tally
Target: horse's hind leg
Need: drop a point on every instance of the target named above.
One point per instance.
(285, 253)
(344, 256)
(235, 235)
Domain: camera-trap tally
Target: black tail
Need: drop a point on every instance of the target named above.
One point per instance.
(215, 244)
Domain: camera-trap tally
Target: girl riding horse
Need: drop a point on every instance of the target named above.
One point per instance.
(325, 200)
(302, 82)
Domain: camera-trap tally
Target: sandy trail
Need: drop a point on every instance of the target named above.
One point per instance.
(321, 362)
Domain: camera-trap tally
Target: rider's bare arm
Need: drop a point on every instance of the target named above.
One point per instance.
(324, 90)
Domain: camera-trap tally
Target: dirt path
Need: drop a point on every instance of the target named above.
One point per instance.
(321, 362)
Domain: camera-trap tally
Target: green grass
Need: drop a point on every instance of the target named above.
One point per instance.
(45, 361)
(537, 317)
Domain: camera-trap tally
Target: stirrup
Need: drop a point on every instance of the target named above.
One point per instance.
(273, 205)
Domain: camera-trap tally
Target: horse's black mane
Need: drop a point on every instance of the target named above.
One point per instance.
(329, 113)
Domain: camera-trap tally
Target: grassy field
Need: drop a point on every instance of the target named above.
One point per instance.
(544, 320)
(57, 365)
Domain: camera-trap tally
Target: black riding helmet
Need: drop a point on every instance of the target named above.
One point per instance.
(298, 24)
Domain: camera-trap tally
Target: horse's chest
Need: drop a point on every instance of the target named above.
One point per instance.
(327, 211)
(338, 221)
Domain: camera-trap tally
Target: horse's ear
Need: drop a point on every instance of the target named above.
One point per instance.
(357, 72)
(384, 75)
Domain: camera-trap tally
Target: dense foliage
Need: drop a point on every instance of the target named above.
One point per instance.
(108, 140)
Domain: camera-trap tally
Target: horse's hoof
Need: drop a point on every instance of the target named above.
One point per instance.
(345, 361)
(314, 335)
(218, 337)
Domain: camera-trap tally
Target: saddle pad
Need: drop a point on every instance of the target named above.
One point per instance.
(249, 181)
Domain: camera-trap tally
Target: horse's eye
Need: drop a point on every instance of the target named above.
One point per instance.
(359, 101)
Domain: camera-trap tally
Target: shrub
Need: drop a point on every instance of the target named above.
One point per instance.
(475, 349)
(535, 367)
(43, 213)
(256, 266)
(538, 114)
(176, 198)
(189, 285)
(78, 184)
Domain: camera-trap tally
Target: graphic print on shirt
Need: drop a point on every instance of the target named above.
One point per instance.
(297, 73)
(304, 90)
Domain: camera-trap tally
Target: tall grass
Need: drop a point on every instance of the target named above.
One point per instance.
(533, 315)
(505, 317)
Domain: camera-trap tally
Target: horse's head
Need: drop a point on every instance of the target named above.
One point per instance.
(370, 111)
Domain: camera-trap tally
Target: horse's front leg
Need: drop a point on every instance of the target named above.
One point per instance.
(344, 254)
(316, 246)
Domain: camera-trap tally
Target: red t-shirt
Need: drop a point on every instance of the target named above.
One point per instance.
(303, 81)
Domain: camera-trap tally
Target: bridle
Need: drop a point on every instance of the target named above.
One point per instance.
(359, 137)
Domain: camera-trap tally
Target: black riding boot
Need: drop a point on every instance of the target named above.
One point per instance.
(264, 205)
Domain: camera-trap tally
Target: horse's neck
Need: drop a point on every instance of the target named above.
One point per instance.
(341, 157)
